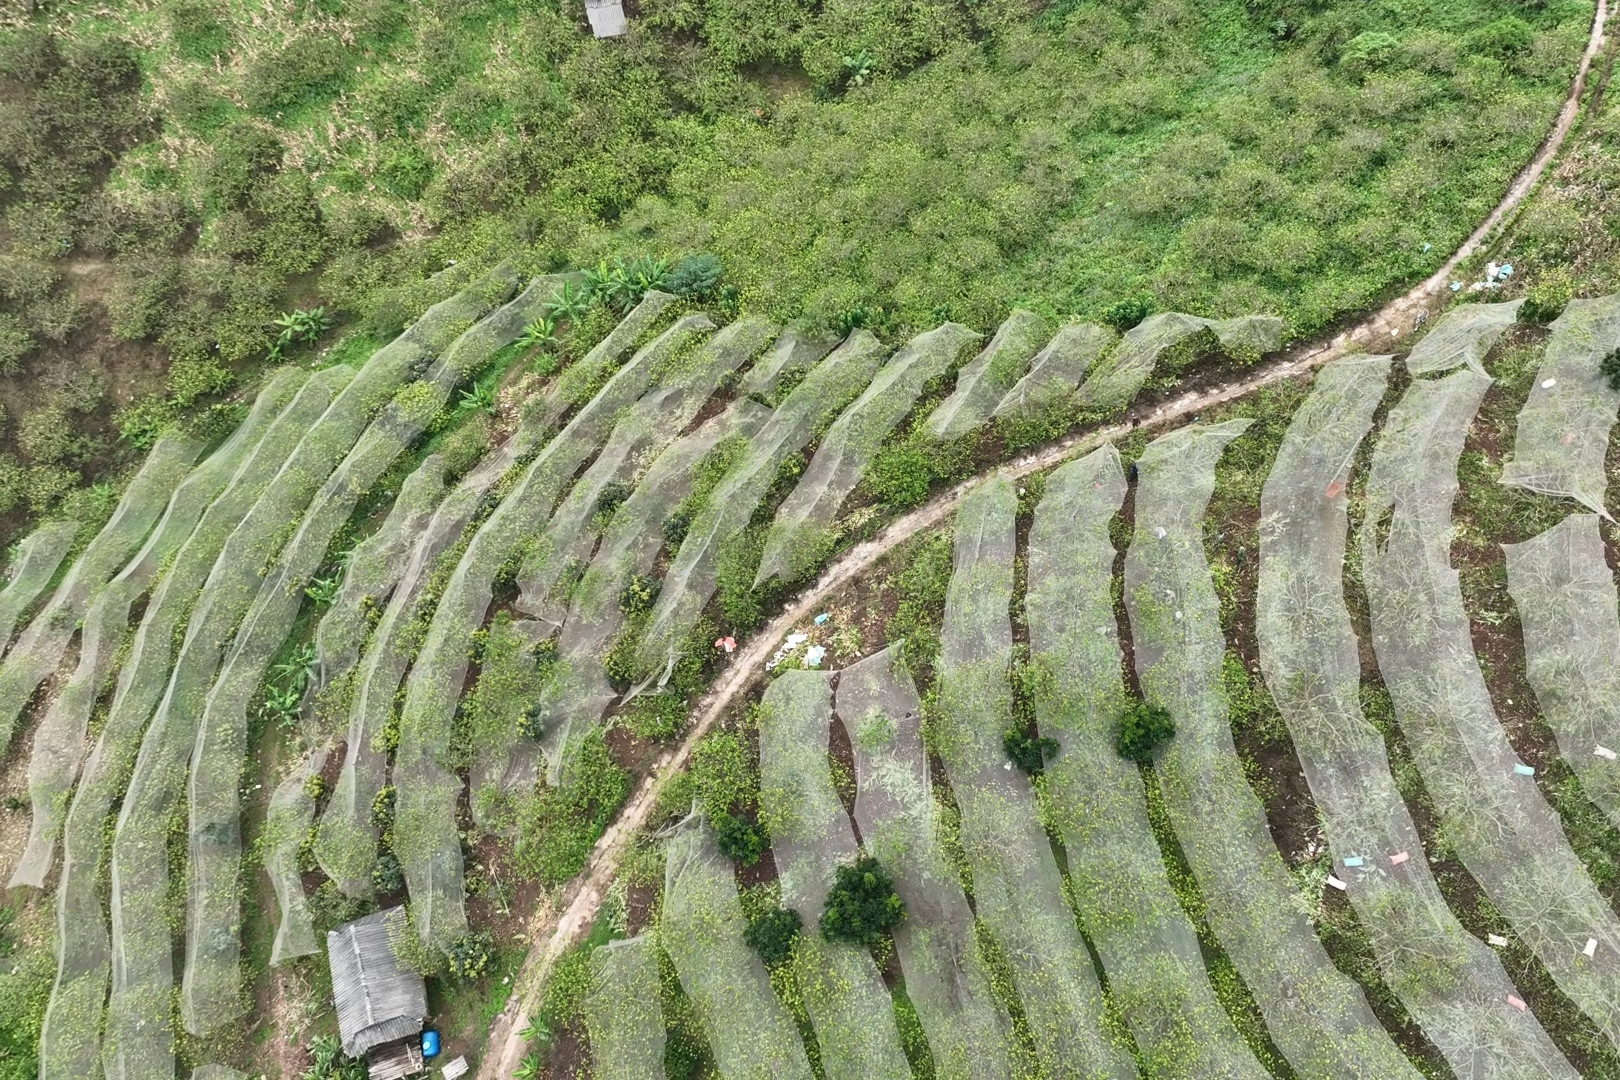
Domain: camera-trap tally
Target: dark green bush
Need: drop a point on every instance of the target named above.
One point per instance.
(739, 839)
(612, 497)
(469, 956)
(197, 31)
(1029, 754)
(900, 476)
(1503, 38)
(657, 717)
(302, 70)
(862, 905)
(1546, 299)
(676, 526)
(1142, 729)
(771, 934)
(640, 594)
(693, 276)
(1126, 313)
(1610, 368)
(387, 876)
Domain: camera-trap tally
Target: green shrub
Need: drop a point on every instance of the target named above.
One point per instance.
(693, 276)
(558, 826)
(197, 31)
(1546, 299)
(640, 593)
(15, 343)
(469, 956)
(676, 526)
(739, 839)
(301, 70)
(723, 775)
(1503, 38)
(612, 497)
(657, 717)
(387, 876)
(382, 807)
(1141, 730)
(1128, 312)
(1369, 50)
(1029, 754)
(862, 905)
(405, 170)
(921, 586)
(900, 476)
(771, 934)
(1610, 368)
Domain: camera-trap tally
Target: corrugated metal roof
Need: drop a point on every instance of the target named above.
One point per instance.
(377, 1000)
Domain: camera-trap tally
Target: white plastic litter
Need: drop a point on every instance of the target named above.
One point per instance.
(1605, 753)
(1337, 884)
(1496, 939)
(1591, 948)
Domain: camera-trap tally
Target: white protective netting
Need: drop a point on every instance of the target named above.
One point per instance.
(59, 742)
(374, 567)
(690, 582)
(1449, 981)
(1563, 432)
(801, 533)
(1017, 888)
(1463, 335)
(843, 993)
(985, 379)
(790, 354)
(40, 648)
(578, 694)
(70, 1042)
(1115, 379)
(1565, 594)
(1055, 372)
(286, 827)
(622, 1011)
(701, 926)
(547, 577)
(1095, 799)
(425, 831)
(346, 839)
(947, 981)
(38, 556)
(1492, 814)
(341, 456)
(1316, 1015)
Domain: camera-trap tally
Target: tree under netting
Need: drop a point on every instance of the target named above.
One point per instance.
(1451, 983)
(579, 693)
(286, 828)
(1491, 811)
(811, 839)
(1564, 590)
(1017, 888)
(1095, 800)
(1463, 335)
(70, 1041)
(622, 1010)
(1115, 379)
(792, 355)
(949, 984)
(425, 832)
(1563, 429)
(702, 928)
(39, 648)
(38, 555)
(985, 379)
(801, 534)
(346, 839)
(1055, 373)
(1325, 1031)
(690, 582)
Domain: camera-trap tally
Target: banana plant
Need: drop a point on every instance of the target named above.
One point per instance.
(480, 398)
(528, 1068)
(297, 669)
(322, 591)
(282, 704)
(541, 333)
(569, 303)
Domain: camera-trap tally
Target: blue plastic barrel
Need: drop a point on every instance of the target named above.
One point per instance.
(430, 1044)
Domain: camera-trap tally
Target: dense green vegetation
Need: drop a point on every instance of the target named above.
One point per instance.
(182, 173)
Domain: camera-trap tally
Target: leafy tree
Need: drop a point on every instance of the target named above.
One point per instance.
(1610, 367)
(693, 276)
(862, 905)
(387, 876)
(1545, 300)
(771, 934)
(740, 839)
(1126, 313)
(1142, 729)
(1029, 754)
(470, 955)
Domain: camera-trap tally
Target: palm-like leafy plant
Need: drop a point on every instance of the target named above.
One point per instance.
(480, 398)
(541, 333)
(323, 591)
(528, 1068)
(297, 669)
(299, 326)
(568, 302)
(282, 704)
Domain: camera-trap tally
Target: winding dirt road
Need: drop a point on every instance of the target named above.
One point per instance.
(554, 930)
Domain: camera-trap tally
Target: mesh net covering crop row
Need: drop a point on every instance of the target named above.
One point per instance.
(1563, 431)
(554, 557)
(1565, 594)
(622, 1012)
(1463, 335)
(1450, 982)
(346, 839)
(70, 1041)
(947, 980)
(59, 740)
(1315, 1014)
(425, 832)
(1494, 817)
(38, 556)
(844, 995)
(1055, 372)
(39, 649)
(790, 355)
(690, 582)
(985, 380)
(193, 726)
(286, 827)
(579, 693)
(1016, 885)
(366, 429)
(801, 533)
(1114, 380)
(701, 926)
(1095, 799)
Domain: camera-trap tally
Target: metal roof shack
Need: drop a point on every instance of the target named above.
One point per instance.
(606, 18)
(378, 1001)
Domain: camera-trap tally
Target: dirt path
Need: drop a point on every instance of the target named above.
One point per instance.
(1382, 330)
